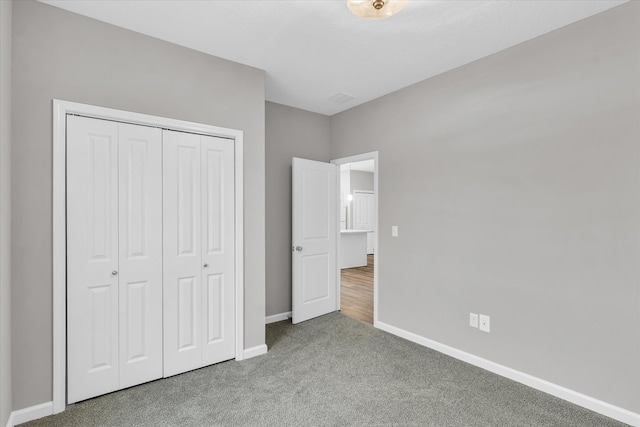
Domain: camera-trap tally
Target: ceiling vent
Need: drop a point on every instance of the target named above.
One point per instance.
(341, 98)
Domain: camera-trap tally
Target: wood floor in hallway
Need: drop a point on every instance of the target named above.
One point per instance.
(356, 291)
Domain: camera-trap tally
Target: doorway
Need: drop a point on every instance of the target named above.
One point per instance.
(358, 240)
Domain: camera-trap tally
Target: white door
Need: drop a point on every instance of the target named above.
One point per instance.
(140, 253)
(314, 211)
(364, 215)
(218, 249)
(198, 251)
(182, 252)
(114, 261)
(92, 257)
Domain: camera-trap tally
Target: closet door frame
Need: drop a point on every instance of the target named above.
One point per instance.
(60, 111)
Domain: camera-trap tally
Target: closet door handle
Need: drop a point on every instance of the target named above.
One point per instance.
(205, 265)
(114, 273)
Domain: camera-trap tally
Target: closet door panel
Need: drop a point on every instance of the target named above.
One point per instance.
(140, 242)
(218, 249)
(182, 252)
(92, 257)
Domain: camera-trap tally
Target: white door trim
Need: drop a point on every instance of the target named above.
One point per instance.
(373, 155)
(60, 111)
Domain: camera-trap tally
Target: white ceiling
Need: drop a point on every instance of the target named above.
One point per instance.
(313, 51)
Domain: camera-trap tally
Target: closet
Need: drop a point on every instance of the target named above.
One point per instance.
(150, 254)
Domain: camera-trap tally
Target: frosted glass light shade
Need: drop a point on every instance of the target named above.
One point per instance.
(366, 8)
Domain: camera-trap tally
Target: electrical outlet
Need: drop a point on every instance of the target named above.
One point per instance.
(473, 320)
(394, 231)
(485, 323)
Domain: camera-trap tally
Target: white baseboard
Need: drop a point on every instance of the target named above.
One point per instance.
(29, 414)
(255, 351)
(277, 317)
(572, 396)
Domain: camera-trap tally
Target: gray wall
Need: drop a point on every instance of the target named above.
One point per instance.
(290, 132)
(514, 183)
(5, 211)
(57, 54)
(361, 181)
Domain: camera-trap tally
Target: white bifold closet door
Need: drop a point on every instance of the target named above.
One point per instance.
(114, 256)
(199, 247)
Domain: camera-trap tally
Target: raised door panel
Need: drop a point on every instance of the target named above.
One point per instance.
(140, 241)
(182, 252)
(314, 237)
(92, 257)
(218, 249)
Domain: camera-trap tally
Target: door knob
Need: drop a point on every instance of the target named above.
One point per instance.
(114, 273)
(205, 265)
(299, 248)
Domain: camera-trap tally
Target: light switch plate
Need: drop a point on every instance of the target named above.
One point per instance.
(473, 320)
(485, 323)
(394, 231)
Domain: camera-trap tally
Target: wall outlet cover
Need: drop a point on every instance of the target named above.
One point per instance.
(485, 323)
(394, 231)
(473, 320)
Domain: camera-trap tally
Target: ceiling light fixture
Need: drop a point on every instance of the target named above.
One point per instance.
(375, 9)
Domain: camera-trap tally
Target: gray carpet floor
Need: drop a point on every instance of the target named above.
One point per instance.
(331, 371)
